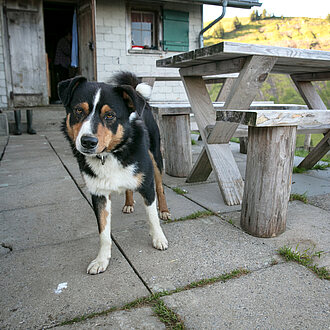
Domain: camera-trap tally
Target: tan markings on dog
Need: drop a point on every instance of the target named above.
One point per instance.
(129, 201)
(108, 140)
(128, 99)
(73, 131)
(162, 205)
(139, 178)
(85, 107)
(68, 127)
(103, 219)
(105, 109)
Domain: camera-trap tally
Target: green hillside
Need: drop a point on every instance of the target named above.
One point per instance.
(296, 32)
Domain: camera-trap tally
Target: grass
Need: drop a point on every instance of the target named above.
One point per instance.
(222, 278)
(192, 216)
(193, 142)
(234, 139)
(305, 258)
(321, 167)
(165, 314)
(304, 153)
(179, 191)
(299, 197)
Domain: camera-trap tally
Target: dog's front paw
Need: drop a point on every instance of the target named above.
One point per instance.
(159, 242)
(97, 266)
(165, 215)
(128, 209)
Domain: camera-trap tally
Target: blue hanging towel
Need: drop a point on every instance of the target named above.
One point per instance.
(74, 51)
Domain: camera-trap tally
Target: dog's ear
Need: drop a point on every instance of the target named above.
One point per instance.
(130, 97)
(66, 88)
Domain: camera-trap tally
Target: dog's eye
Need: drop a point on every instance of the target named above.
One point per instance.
(78, 111)
(109, 116)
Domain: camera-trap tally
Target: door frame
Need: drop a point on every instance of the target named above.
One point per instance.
(7, 6)
(82, 48)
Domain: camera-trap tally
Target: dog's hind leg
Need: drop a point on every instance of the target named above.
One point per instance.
(102, 209)
(164, 213)
(129, 202)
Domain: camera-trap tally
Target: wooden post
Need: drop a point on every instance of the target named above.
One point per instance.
(268, 180)
(178, 156)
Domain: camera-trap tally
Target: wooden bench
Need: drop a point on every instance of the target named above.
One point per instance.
(173, 119)
(272, 140)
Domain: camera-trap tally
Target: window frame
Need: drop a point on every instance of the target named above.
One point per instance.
(157, 29)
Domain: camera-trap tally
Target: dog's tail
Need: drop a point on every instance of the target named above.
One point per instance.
(129, 78)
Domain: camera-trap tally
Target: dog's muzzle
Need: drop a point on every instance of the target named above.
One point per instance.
(89, 142)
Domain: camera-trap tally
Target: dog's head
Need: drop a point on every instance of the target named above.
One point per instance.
(97, 114)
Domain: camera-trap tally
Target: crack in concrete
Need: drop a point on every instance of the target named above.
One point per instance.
(7, 246)
(4, 149)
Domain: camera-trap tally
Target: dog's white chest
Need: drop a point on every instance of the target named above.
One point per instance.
(110, 177)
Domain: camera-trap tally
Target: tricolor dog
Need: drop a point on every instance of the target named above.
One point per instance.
(115, 140)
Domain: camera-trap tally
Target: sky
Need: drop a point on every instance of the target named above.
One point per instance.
(287, 8)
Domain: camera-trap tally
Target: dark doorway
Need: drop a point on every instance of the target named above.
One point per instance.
(58, 19)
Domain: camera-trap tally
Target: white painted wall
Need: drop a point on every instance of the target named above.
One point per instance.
(112, 47)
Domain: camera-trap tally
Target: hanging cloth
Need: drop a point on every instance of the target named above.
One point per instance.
(74, 49)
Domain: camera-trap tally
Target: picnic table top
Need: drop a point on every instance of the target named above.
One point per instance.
(290, 60)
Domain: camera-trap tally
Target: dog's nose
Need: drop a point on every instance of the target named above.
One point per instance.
(89, 142)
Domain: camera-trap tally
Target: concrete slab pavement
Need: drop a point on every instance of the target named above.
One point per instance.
(139, 319)
(307, 229)
(53, 242)
(198, 249)
(285, 296)
(30, 278)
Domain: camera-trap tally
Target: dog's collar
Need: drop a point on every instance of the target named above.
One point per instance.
(101, 158)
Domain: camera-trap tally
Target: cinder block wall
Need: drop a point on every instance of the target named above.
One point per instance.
(113, 55)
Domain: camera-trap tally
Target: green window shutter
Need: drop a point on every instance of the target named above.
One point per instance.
(176, 30)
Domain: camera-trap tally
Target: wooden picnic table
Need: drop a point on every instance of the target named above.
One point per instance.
(253, 63)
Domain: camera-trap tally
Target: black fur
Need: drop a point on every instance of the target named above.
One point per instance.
(140, 135)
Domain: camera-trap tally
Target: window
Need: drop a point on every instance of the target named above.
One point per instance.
(143, 30)
(153, 30)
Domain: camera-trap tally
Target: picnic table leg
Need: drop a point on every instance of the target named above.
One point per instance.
(201, 170)
(225, 89)
(178, 156)
(313, 101)
(219, 155)
(268, 180)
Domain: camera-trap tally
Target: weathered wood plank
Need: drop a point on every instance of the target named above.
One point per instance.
(245, 88)
(264, 50)
(227, 173)
(265, 118)
(220, 67)
(220, 156)
(201, 169)
(178, 156)
(225, 90)
(309, 94)
(291, 60)
(314, 76)
(317, 153)
(200, 102)
(268, 180)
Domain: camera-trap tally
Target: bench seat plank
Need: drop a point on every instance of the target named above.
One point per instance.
(266, 118)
